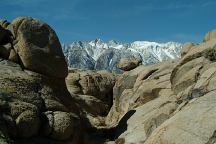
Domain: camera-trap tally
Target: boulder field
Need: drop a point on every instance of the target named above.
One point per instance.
(41, 101)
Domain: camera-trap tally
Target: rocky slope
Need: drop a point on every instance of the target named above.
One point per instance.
(35, 105)
(172, 102)
(99, 55)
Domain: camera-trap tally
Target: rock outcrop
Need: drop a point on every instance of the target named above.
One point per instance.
(186, 48)
(172, 102)
(210, 35)
(38, 47)
(93, 91)
(35, 105)
(129, 64)
(34, 45)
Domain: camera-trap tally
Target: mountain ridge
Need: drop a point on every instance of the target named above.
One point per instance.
(100, 55)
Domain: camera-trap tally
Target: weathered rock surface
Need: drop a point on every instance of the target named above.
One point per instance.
(172, 102)
(140, 86)
(34, 45)
(93, 91)
(186, 48)
(98, 84)
(210, 35)
(26, 97)
(38, 47)
(63, 125)
(194, 124)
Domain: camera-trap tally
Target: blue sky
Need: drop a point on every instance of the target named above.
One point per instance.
(122, 20)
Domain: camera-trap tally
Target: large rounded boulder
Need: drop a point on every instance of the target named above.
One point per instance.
(128, 64)
(59, 125)
(38, 47)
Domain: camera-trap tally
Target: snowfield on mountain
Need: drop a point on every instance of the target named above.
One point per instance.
(99, 55)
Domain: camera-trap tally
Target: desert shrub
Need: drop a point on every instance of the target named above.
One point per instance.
(210, 54)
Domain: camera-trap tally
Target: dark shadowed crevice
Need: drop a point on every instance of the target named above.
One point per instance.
(149, 74)
(102, 135)
(122, 125)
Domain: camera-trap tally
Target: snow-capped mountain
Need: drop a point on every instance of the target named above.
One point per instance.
(99, 55)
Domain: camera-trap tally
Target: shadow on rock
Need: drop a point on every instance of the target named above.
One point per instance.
(115, 132)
